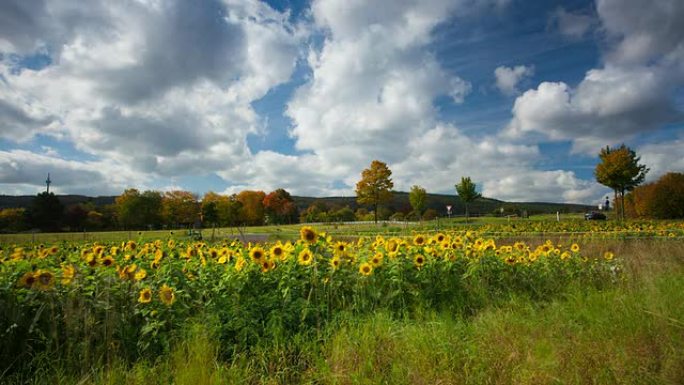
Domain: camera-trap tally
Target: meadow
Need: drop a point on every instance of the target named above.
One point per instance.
(533, 301)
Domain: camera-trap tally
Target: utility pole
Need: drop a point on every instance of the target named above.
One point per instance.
(47, 182)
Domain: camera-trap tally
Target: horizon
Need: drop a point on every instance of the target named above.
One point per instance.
(231, 95)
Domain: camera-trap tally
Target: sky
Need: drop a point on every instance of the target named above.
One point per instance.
(229, 95)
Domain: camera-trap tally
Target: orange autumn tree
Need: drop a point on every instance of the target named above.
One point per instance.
(252, 211)
(280, 207)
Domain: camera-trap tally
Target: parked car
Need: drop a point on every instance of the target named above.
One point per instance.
(595, 215)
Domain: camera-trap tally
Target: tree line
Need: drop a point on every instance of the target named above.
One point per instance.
(618, 168)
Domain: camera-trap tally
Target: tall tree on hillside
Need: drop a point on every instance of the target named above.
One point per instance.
(46, 212)
(418, 200)
(375, 186)
(620, 170)
(467, 192)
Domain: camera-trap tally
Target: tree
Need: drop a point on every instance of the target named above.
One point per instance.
(46, 212)
(180, 208)
(136, 210)
(663, 199)
(620, 170)
(13, 219)
(375, 186)
(280, 207)
(252, 211)
(418, 200)
(467, 192)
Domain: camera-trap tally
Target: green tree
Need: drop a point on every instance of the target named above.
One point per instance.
(467, 192)
(46, 212)
(375, 186)
(136, 210)
(620, 170)
(180, 208)
(418, 200)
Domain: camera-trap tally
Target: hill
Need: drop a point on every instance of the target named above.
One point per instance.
(400, 202)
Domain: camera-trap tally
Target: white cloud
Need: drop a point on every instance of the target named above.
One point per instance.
(662, 158)
(507, 78)
(572, 24)
(162, 88)
(24, 172)
(633, 92)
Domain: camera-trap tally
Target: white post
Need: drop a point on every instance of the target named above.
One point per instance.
(557, 216)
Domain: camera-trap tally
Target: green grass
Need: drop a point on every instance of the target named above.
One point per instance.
(632, 333)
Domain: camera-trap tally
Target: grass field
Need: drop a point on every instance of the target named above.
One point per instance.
(628, 331)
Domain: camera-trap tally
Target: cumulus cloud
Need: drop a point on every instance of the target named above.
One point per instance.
(633, 92)
(507, 78)
(662, 158)
(163, 88)
(370, 95)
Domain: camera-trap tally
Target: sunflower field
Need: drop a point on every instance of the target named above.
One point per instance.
(88, 303)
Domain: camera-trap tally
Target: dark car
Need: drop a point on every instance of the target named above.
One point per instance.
(595, 215)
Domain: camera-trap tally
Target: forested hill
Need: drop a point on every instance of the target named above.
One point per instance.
(400, 202)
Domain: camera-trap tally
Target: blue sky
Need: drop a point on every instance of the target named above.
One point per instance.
(237, 94)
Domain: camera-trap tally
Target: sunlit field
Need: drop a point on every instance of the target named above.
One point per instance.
(524, 301)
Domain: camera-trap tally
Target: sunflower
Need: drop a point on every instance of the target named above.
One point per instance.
(257, 254)
(213, 253)
(340, 247)
(131, 246)
(267, 265)
(239, 264)
(53, 250)
(45, 280)
(564, 255)
(278, 252)
(419, 260)
(419, 240)
(68, 273)
(97, 250)
(27, 280)
(575, 248)
(166, 295)
(377, 259)
(107, 261)
(511, 259)
(308, 234)
(305, 257)
(608, 255)
(439, 237)
(335, 262)
(392, 245)
(145, 295)
(91, 260)
(366, 269)
(171, 244)
(140, 274)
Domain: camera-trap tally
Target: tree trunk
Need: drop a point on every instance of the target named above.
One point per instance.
(467, 213)
(375, 211)
(622, 203)
(617, 212)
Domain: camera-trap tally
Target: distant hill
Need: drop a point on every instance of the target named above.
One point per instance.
(400, 202)
(10, 201)
(438, 202)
